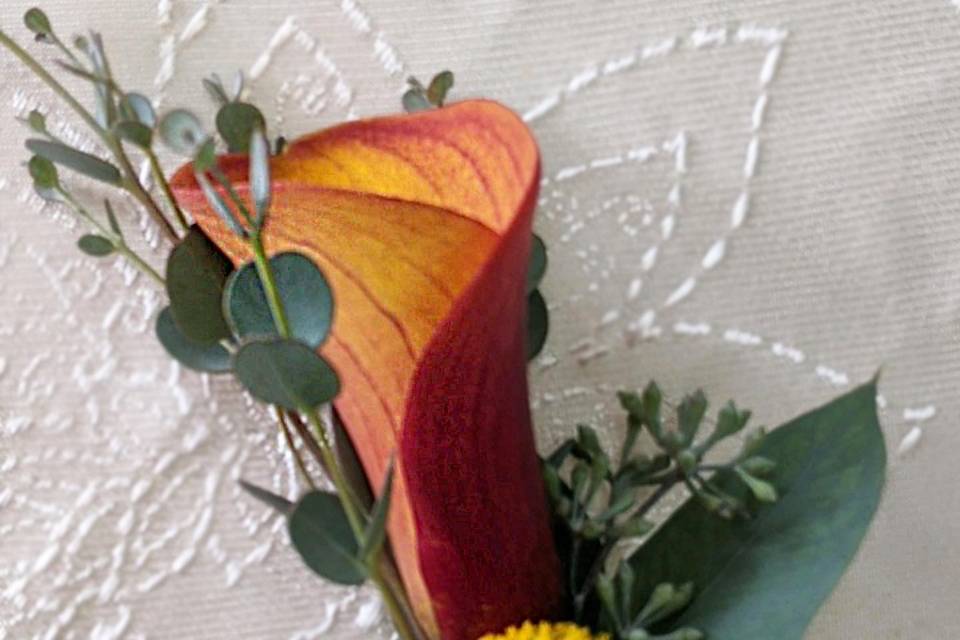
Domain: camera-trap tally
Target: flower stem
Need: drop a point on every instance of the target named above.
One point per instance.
(285, 430)
(160, 179)
(390, 591)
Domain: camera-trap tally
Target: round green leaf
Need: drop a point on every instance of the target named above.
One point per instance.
(94, 245)
(37, 121)
(137, 106)
(196, 275)
(538, 322)
(79, 161)
(236, 122)
(285, 373)
(306, 297)
(538, 263)
(414, 100)
(212, 358)
(135, 132)
(37, 21)
(43, 172)
(182, 131)
(321, 534)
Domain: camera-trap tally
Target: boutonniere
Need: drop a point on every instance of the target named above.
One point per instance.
(376, 284)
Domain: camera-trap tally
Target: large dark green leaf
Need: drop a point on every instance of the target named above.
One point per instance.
(196, 275)
(321, 534)
(306, 296)
(286, 373)
(766, 577)
(212, 358)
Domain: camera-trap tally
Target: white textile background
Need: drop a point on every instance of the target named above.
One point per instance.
(760, 198)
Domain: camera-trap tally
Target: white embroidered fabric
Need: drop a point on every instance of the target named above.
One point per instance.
(760, 198)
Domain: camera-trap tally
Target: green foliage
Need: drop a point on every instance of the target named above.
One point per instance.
(538, 264)
(285, 373)
(182, 132)
(38, 22)
(272, 500)
(376, 532)
(96, 246)
(76, 160)
(134, 132)
(210, 358)
(440, 85)
(44, 173)
(137, 107)
(829, 472)
(538, 324)
(196, 276)
(421, 98)
(304, 293)
(236, 123)
(321, 534)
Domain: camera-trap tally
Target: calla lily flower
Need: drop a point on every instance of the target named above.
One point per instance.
(422, 225)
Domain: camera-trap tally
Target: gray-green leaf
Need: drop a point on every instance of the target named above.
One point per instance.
(286, 373)
(79, 161)
(303, 290)
(272, 500)
(830, 472)
(211, 358)
(135, 132)
(321, 534)
(37, 21)
(138, 107)
(538, 323)
(182, 132)
(94, 245)
(236, 122)
(196, 274)
(43, 172)
(538, 264)
(414, 100)
(37, 122)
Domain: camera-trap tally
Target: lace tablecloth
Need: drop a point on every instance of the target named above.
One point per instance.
(760, 198)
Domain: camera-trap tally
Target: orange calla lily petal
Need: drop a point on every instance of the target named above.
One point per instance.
(421, 224)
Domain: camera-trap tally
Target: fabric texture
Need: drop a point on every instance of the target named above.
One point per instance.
(758, 198)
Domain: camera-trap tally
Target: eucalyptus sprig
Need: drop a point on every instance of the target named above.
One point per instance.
(597, 503)
(420, 98)
(120, 117)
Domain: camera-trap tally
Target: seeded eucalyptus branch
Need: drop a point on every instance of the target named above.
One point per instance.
(596, 503)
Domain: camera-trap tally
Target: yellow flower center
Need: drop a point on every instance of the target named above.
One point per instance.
(546, 631)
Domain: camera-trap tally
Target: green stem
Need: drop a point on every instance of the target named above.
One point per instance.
(581, 596)
(288, 437)
(269, 285)
(160, 179)
(402, 618)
